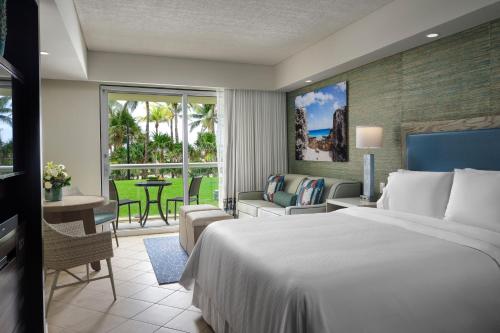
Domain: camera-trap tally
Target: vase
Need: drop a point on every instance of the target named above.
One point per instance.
(54, 194)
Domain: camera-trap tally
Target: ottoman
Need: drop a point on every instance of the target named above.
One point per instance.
(196, 222)
(182, 220)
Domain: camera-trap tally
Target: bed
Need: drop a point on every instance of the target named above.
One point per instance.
(356, 269)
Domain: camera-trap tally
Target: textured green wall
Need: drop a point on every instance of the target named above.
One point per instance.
(451, 78)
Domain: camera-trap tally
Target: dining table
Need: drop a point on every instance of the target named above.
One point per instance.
(75, 208)
(160, 184)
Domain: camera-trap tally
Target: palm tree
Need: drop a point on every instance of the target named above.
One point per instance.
(176, 109)
(6, 110)
(161, 113)
(122, 122)
(207, 146)
(146, 141)
(161, 142)
(203, 115)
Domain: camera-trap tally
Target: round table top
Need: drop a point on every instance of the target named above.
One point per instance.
(71, 203)
(154, 183)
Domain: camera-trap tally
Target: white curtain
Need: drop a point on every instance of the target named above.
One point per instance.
(253, 139)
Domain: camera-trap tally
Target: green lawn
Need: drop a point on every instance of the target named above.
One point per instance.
(127, 190)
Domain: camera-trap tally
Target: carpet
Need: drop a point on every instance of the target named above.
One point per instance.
(167, 257)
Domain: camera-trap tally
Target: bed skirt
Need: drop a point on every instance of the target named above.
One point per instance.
(210, 312)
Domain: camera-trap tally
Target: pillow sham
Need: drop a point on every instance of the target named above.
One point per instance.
(474, 199)
(274, 184)
(418, 192)
(310, 191)
(285, 199)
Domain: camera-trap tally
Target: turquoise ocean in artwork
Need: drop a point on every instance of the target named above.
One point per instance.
(319, 132)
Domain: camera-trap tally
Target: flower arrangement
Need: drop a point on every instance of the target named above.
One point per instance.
(55, 176)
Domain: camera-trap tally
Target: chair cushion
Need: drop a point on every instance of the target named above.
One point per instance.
(310, 192)
(274, 184)
(101, 218)
(285, 199)
(272, 211)
(251, 207)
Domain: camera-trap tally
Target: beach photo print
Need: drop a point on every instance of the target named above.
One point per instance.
(321, 124)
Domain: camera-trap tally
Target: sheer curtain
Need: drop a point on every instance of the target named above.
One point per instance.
(253, 140)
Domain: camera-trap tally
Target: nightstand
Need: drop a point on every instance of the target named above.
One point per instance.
(339, 203)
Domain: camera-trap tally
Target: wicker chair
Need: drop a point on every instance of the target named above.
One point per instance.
(66, 246)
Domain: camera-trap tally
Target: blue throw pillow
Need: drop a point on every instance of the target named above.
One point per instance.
(274, 184)
(310, 191)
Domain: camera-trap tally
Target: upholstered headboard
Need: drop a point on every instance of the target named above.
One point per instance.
(446, 145)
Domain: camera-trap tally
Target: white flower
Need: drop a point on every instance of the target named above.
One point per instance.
(47, 185)
(54, 172)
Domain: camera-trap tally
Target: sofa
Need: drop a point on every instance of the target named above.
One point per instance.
(252, 203)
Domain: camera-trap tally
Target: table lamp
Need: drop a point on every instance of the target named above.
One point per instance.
(369, 137)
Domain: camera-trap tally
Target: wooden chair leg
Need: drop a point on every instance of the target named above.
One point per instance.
(111, 278)
(52, 288)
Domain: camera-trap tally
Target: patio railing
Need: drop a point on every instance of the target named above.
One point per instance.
(157, 166)
(6, 168)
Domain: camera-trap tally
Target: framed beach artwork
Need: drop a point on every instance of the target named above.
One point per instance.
(321, 124)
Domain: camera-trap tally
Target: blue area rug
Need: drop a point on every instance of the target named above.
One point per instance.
(167, 257)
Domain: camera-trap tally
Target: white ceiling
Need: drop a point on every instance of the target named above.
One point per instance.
(243, 31)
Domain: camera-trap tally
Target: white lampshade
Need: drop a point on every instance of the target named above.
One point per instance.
(369, 137)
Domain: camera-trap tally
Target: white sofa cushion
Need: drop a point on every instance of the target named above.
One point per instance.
(251, 207)
(272, 211)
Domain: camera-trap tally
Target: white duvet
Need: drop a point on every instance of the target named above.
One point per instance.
(354, 270)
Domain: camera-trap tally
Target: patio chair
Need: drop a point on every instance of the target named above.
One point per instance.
(66, 246)
(113, 195)
(194, 195)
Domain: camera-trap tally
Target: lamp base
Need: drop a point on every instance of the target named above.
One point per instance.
(369, 178)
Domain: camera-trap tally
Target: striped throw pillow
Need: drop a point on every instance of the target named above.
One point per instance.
(310, 191)
(274, 184)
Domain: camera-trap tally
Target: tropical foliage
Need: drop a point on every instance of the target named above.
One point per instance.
(6, 148)
(131, 139)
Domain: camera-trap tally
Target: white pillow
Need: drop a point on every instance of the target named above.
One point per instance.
(475, 199)
(418, 192)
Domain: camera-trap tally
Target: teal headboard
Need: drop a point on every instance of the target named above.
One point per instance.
(447, 150)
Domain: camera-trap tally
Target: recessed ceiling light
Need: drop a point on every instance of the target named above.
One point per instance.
(432, 35)
(309, 81)
(44, 53)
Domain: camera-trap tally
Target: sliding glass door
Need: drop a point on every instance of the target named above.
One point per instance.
(152, 134)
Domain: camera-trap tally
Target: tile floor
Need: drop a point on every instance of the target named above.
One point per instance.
(141, 306)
